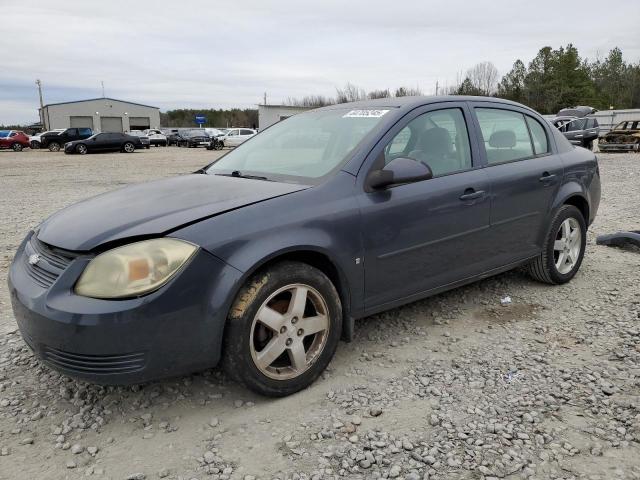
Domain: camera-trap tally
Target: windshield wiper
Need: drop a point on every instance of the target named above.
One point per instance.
(238, 174)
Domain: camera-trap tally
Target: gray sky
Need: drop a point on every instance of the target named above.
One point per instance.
(210, 54)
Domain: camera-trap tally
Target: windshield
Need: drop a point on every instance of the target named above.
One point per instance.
(4, 133)
(306, 146)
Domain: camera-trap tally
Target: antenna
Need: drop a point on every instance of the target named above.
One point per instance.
(265, 98)
(102, 83)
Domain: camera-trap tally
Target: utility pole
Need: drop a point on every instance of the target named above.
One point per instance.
(39, 84)
(265, 98)
(437, 85)
(102, 83)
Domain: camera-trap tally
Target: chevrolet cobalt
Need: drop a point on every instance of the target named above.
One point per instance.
(263, 259)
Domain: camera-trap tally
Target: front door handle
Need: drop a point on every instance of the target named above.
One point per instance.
(547, 177)
(471, 194)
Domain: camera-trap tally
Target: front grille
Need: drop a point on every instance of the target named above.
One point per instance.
(95, 364)
(56, 257)
(51, 262)
(42, 277)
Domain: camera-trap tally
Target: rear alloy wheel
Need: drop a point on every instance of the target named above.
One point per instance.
(129, 147)
(81, 149)
(17, 147)
(564, 248)
(54, 147)
(283, 329)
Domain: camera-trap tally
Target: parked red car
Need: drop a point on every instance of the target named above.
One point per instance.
(13, 139)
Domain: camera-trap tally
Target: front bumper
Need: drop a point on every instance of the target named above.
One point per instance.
(619, 147)
(174, 330)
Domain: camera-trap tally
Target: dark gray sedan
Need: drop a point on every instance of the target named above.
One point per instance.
(264, 258)
(105, 142)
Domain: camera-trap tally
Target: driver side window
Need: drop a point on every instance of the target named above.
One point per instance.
(438, 139)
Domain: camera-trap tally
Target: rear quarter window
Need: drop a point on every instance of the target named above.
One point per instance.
(538, 135)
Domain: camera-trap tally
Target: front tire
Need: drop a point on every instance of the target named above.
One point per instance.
(54, 147)
(16, 147)
(81, 149)
(34, 145)
(129, 147)
(563, 249)
(283, 329)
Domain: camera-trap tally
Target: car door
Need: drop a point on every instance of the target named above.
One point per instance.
(525, 175)
(233, 138)
(424, 235)
(245, 135)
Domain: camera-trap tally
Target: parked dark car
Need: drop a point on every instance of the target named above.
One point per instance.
(172, 135)
(193, 138)
(55, 141)
(105, 142)
(265, 257)
(15, 140)
(624, 137)
(581, 132)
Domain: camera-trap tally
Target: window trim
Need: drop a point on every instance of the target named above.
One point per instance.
(376, 155)
(509, 108)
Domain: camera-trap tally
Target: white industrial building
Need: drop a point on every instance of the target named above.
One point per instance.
(101, 115)
(270, 114)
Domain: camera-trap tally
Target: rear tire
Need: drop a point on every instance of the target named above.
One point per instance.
(275, 345)
(563, 249)
(54, 147)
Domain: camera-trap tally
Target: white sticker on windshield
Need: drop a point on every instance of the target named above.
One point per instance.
(365, 114)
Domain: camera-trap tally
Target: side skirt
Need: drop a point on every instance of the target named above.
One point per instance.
(443, 288)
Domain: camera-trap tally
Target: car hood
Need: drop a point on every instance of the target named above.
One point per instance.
(154, 208)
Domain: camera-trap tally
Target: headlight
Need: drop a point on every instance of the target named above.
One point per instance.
(135, 269)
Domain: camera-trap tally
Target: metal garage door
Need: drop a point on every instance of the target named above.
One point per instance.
(81, 122)
(111, 124)
(139, 123)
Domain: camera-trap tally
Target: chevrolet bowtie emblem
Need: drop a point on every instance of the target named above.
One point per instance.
(33, 259)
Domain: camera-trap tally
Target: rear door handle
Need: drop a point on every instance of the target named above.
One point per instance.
(471, 194)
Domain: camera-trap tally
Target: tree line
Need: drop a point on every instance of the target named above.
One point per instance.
(235, 117)
(552, 80)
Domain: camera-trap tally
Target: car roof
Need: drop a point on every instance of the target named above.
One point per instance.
(409, 103)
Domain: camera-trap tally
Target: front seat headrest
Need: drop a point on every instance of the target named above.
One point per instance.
(435, 141)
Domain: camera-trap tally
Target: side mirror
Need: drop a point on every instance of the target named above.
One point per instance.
(398, 171)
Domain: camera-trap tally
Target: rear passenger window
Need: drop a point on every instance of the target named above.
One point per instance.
(539, 136)
(438, 139)
(505, 134)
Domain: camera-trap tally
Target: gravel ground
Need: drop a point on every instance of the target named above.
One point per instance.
(452, 387)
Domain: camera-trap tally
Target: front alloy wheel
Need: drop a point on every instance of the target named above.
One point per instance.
(81, 149)
(283, 329)
(17, 147)
(289, 331)
(54, 147)
(129, 147)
